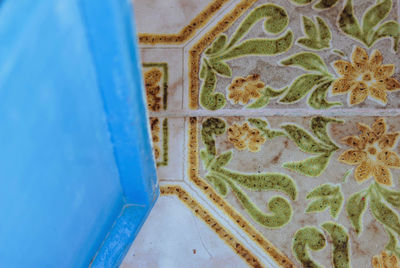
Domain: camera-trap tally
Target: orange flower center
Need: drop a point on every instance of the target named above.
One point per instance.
(367, 77)
(372, 150)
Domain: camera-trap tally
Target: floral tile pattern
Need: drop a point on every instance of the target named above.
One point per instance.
(283, 115)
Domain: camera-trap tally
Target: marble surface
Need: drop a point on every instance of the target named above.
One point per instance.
(275, 127)
(174, 237)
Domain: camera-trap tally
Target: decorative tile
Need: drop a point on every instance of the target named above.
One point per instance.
(282, 117)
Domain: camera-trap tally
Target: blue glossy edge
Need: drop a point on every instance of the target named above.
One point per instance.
(114, 35)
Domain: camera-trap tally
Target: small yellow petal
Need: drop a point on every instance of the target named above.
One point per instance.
(360, 58)
(358, 94)
(388, 141)
(354, 142)
(375, 60)
(382, 174)
(379, 127)
(389, 158)
(391, 84)
(363, 171)
(378, 92)
(384, 71)
(341, 86)
(344, 68)
(353, 157)
(367, 135)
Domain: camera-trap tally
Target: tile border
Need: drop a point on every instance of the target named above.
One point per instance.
(214, 224)
(186, 32)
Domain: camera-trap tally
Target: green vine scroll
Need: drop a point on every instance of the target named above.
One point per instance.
(223, 179)
(222, 50)
(371, 29)
(318, 36)
(320, 5)
(320, 145)
(312, 238)
(318, 80)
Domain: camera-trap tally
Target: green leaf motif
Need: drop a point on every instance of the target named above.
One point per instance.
(324, 147)
(219, 184)
(384, 213)
(340, 241)
(326, 196)
(267, 94)
(372, 29)
(325, 4)
(321, 5)
(393, 244)
(304, 140)
(259, 46)
(308, 61)
(206, 158)
(300, 87)
(210, 128)
(218, 44)
(222, 160)
(388, 29)
(208, 98)
(222, 69)
(355, 208)
(318, 36)
(317, 99)
(348, 22)
(305, 239)
(263, 127)
(263, 181)
(311, 167)
(392, 197)
(281, 211)
(373, 16)
(276, 21)
(319, 125)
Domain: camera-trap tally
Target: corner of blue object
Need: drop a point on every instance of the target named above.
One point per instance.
(77, 176)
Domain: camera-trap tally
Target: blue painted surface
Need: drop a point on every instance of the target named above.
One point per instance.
(74, 146)
(123, 232)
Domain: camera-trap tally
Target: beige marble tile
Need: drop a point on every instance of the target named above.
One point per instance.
(165, 16)
(174, 237)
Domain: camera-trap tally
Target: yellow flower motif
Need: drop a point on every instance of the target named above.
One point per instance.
(385, 261)
(365, 77)
(244, 89)
(243, 136)
(372, 153)
(151, 79)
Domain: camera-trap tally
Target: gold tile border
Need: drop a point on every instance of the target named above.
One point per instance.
(208, 219)
(205, 41)
(209, 191)
(188, 31)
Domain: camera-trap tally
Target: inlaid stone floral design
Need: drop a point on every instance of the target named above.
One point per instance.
(365, 77)
(242, 90)
(245, 137)
(373, 153)
(283, 117)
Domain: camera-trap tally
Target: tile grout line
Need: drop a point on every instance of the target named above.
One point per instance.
(278, 112)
